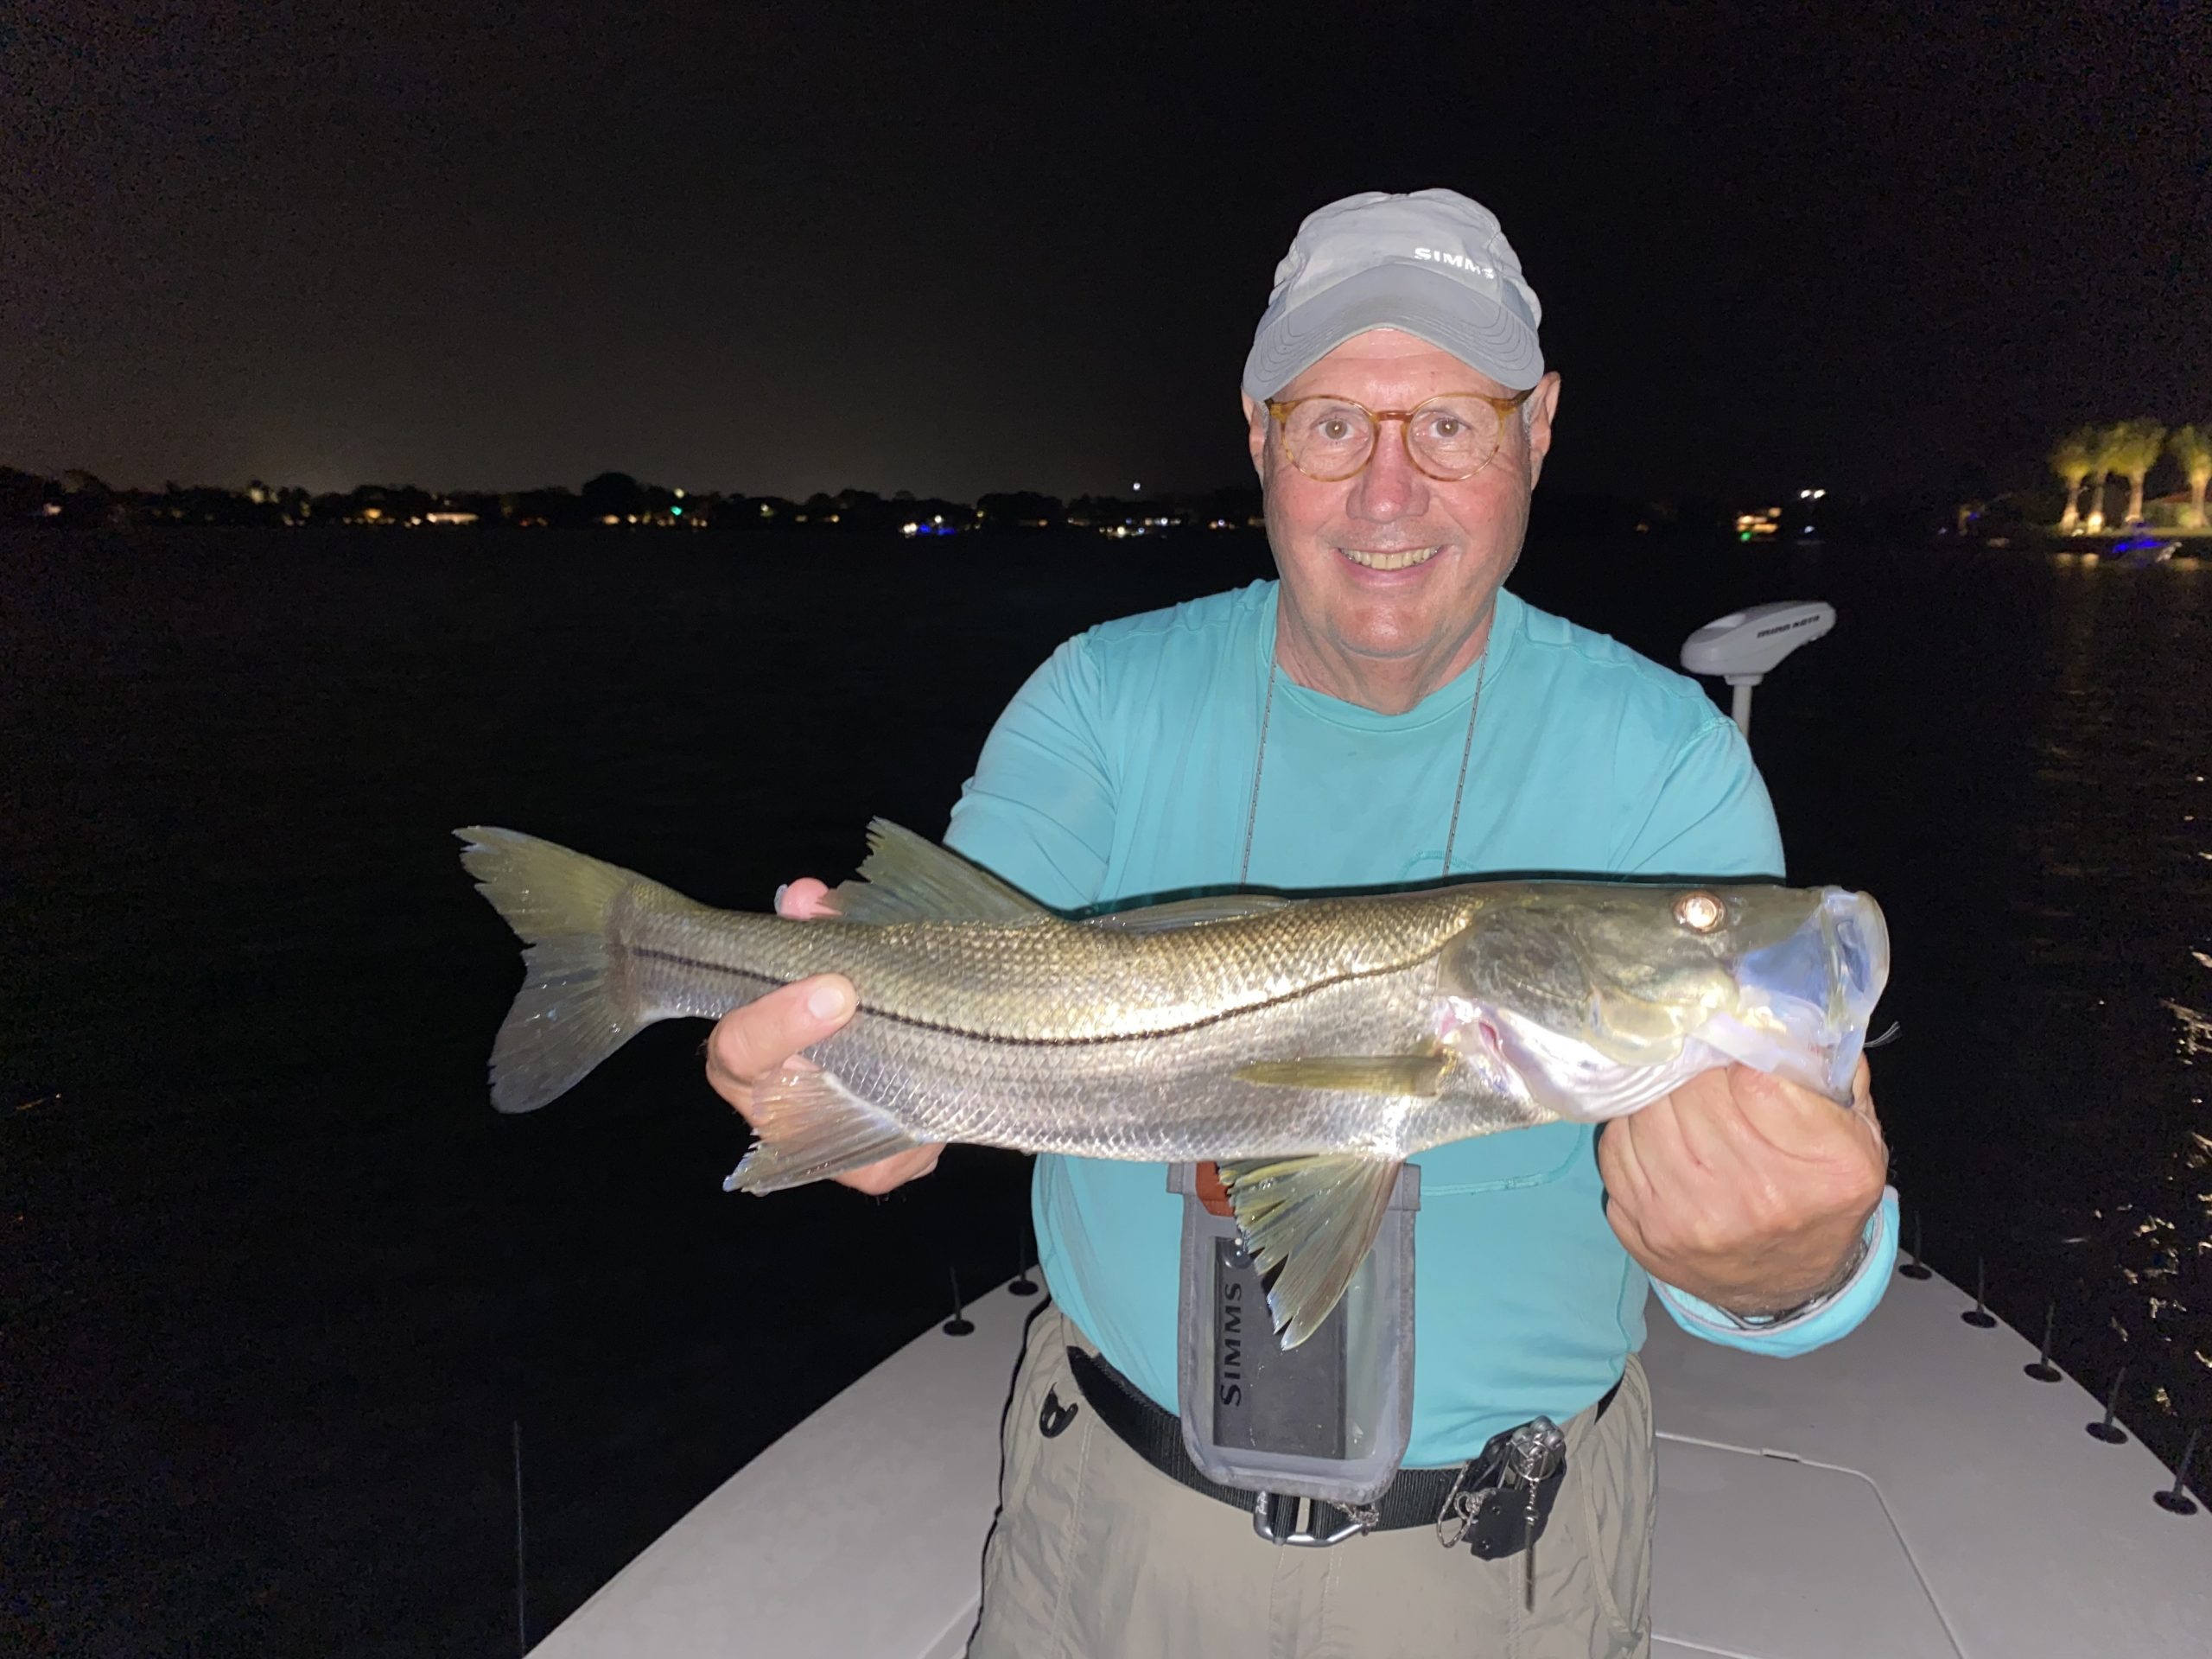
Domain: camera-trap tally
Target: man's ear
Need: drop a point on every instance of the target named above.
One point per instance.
(1543, 404)
(1256, 434)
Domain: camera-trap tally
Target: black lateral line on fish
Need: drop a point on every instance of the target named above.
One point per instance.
(916, 1022)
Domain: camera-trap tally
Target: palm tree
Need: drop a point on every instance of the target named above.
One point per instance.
(2192, 448)
(2071, 460)
(2143, 442)
(2105, 442)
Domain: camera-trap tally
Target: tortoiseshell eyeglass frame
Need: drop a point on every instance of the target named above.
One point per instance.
(1279, 410)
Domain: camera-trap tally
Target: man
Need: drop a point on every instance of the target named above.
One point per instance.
(1386, 712)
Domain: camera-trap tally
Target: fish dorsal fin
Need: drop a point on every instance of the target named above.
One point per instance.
(1188, 912)
(908, 878)
(1314, 1218)
(1372, 1074)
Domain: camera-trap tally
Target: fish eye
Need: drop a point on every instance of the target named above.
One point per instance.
(1701, 913)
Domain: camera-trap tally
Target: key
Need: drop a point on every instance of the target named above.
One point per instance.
(1536, 1450)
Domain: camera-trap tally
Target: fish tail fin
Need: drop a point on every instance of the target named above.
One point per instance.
(576, 1008)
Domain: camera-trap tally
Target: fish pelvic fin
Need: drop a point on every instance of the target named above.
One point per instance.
(811, 1127)
(1310, 1222)
(909, 878)
(575, 1009)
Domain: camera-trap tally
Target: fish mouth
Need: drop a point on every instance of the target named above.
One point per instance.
(1395, 559)
(1804, 1003)
(1801, 1012)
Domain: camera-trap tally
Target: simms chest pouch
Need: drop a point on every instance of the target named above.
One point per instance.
(1329, 1419)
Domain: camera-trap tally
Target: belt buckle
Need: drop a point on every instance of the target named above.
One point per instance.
(1287, 1529)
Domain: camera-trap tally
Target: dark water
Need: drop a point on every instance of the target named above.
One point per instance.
(276, 1282)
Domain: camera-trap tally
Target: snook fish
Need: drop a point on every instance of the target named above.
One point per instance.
(1306, 1046)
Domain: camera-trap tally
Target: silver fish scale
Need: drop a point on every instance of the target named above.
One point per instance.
(1046, 980)
(1069, 1037)
(1176, 1097)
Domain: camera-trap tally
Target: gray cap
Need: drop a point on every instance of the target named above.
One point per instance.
(1433, 265)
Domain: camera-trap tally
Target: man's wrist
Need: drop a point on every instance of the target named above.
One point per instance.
(1760, 1318)
(1815, 1326)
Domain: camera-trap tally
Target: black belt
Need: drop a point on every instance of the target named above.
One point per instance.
(1415, 1498)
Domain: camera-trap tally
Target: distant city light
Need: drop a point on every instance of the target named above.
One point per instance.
(1134, 488)
(679, 496)
(679, 512)
(1758, 526)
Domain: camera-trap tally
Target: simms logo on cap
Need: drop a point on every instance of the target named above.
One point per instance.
(1459, 260)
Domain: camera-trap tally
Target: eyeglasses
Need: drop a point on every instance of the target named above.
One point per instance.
(1449, 437)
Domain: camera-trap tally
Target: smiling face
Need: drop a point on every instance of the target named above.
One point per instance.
(1389, 576)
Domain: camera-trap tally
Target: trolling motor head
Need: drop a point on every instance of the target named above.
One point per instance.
(1744, 647)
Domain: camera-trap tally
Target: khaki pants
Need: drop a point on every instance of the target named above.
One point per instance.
(1098, 1555)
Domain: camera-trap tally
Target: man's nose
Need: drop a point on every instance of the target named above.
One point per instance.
(1391, 486)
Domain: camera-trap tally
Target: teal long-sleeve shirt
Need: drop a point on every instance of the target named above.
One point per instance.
(1126, 766)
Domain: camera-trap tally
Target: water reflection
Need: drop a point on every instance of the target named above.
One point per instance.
(2117, 903)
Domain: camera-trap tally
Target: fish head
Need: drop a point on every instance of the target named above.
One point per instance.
(1597, 1000)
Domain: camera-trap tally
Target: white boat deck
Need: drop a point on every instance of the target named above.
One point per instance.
(1906, 1492)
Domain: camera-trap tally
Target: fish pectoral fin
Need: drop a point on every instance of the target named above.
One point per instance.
(1180, 913)
(1374, 1074)
(809, 1127)
(1314, 1218)
(909, 878)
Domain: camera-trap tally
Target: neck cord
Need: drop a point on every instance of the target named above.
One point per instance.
(1458, 791)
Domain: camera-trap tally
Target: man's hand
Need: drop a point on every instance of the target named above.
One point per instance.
(764, 1036)
(1743, 1190)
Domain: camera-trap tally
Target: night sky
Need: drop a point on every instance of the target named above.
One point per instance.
(954, 249)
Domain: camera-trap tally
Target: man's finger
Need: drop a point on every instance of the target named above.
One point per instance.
(1619, 1163)
(1862, 1096)
(1702, 1126)
(1788, 1116)
(1622, 1217)
(803, 900)
(748, 1043)
(897, 1170)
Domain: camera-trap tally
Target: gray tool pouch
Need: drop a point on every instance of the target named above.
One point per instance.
(1329, 1419)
